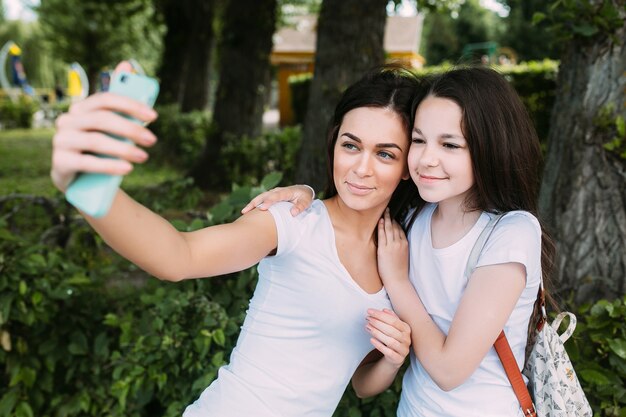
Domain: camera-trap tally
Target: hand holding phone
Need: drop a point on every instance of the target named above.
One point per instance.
(93, 193)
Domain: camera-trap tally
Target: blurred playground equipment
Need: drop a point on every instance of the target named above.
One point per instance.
(489, 53)
(18, 83)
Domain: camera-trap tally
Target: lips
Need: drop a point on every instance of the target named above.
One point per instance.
(359, 189)
(429, 179)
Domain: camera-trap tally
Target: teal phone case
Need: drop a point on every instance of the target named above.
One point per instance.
(93, 193)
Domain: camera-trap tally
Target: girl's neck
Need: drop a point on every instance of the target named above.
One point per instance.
(450, 222)
(359, 223)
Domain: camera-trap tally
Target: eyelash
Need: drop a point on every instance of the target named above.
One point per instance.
(383, 154)
(445, 144)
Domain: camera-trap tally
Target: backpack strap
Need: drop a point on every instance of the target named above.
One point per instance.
(501, 345)
(503, 349)
(480, 244)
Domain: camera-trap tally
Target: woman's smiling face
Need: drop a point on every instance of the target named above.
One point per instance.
(370, 157)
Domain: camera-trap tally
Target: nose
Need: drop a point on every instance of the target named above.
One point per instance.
(363, 167)
(428, 157)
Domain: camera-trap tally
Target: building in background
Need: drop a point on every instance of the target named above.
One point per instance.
(294, 52)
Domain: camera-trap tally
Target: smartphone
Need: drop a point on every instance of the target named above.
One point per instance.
(93, 193)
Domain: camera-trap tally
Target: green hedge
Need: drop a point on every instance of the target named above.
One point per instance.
(85, 333)
(17, 114)
(535, 82)
(182, 137)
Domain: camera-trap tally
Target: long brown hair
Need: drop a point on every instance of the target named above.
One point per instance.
(391, 87)
(504, 149)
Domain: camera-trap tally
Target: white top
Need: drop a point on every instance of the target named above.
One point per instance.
(304, 333)
(438, 277)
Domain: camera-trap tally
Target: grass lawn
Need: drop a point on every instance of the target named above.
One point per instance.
(25, 165)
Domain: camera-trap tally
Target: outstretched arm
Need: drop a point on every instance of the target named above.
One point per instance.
(131, 229)
(300, 195)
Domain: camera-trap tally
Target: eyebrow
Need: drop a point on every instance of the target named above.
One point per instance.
(443, 136)
(378, 145)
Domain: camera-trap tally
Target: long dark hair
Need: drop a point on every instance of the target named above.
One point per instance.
(503, 145)
(389, 87)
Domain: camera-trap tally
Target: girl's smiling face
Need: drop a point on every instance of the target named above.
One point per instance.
(439, 159)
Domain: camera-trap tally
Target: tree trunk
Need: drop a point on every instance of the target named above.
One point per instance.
(244, 71)
(583, 194)
(186, 60)
(349, 42)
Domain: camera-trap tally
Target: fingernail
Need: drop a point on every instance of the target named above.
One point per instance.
(260, 205)
(148, 138)
(139, 155)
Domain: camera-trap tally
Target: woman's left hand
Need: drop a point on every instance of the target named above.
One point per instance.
(390, 335)
(301, 196)
(393, 251)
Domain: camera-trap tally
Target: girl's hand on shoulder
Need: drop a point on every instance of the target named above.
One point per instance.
(390, 335)
(83, 132)
(393, 251)
(301, 196)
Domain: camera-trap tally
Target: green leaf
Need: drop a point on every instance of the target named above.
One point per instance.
(538, 17)
(219, 337)
(240, 196)
(23, 409)
(23, 288)
(101, 345)
(37, 260)
(618, 347)
(6, 235)
(220, 213)
(78, 344)
(594, 377)
(5, 307)
(218, 358)
(585, 30)
(620, 124)
(271, 180)
(196, 224)
(600, 307)
(7, 402)
(78, 279)
(111, 320)
(354, 412)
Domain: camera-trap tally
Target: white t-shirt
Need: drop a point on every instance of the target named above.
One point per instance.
(304, 333)
(438, 277)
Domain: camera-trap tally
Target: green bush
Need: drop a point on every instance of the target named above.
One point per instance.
(17, 114)
(180, 136)
(535, 82)
(85, 333)
(248, 159)
(599, 355)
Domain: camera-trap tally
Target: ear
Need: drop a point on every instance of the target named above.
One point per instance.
(406, 175)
